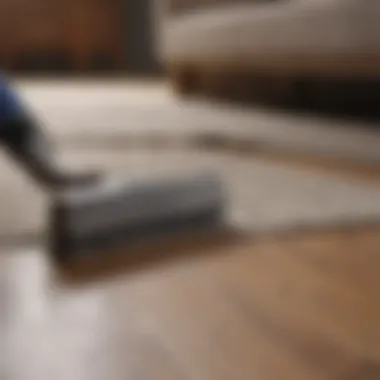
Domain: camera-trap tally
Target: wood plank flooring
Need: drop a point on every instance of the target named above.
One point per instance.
(291, 307)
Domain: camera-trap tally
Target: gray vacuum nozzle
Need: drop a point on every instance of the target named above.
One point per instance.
(117, 213)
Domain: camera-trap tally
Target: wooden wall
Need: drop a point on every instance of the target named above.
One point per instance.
(76, 34)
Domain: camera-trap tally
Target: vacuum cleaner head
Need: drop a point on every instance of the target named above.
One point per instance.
(117, 213)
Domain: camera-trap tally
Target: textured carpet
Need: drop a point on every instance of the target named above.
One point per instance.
(95, 113)
(263, 197)
(113, 126)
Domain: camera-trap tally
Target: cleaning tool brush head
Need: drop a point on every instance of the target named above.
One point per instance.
(114, 214)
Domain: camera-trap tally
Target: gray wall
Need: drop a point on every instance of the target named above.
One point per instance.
(140, 57)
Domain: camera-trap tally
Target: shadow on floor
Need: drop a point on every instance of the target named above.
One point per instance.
(343, 100)
(111, 265)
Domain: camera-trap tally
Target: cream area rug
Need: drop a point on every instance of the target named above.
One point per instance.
(119, 113)
(114, 125)
(262, 197)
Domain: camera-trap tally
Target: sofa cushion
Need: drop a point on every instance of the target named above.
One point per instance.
(183, 6)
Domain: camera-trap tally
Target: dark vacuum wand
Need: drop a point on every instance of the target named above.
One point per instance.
(91, 214)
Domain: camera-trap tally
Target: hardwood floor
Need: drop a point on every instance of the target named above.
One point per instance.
(291, 307)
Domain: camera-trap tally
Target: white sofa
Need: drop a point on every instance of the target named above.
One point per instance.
(312, 37)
